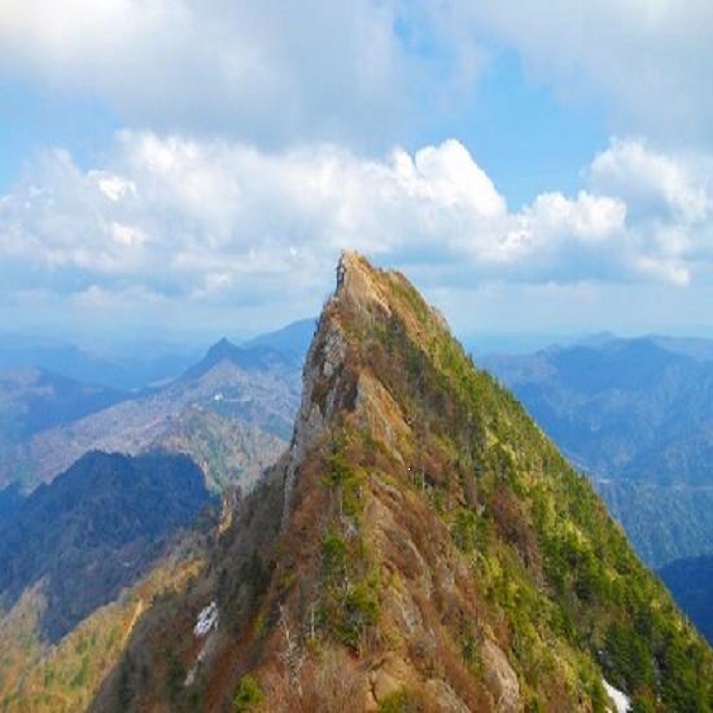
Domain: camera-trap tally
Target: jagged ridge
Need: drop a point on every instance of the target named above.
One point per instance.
(422, 546)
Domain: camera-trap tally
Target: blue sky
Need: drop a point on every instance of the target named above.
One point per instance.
(174, 167)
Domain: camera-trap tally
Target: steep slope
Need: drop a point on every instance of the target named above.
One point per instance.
(422, 546)
(637, 416)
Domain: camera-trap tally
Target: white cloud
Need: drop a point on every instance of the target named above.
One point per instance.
(113, 187)
(269, 72)
(367, 73)
(216, 222)
(670, 206)
(651, 180)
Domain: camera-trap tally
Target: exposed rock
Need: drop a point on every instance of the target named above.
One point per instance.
(381, 414)
(448, 701)
(390, 675)
(403, 609)
(500, 678)
(319, 398)
(357, 285)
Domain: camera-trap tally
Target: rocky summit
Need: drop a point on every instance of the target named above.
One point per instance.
(421, 546)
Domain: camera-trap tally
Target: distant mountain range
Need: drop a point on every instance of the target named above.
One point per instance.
(251, 392)
(623, 409)
(147, 364)
(34, 399)
(142, 366)
(293, 339)
(636, 415)
(89, 538)
(95, 530)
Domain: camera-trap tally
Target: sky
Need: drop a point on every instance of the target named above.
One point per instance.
(186, 168)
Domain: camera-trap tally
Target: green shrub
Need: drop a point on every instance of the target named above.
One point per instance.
(401, 701)
(334, 554)
(248, 696)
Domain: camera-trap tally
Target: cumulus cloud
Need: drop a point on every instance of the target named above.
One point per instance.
(214, 222)
(670, 206)
(655, 183)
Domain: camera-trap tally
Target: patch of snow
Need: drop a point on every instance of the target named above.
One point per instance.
(207, 620)
(622, 702)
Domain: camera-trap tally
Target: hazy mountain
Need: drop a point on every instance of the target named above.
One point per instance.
(116, 368)
(232, 411)
(695, 347)
(138, 365)
(11, 499)
(421, 546)
(663, 523)
(249, 358)
(292, 339)
(33, 400)
(94, 530)
(620, 408)
(637, 416)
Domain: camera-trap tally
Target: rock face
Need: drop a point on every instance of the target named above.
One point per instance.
(324, 364)
(422, 546)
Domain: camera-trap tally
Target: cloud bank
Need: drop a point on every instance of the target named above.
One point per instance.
(177, 221)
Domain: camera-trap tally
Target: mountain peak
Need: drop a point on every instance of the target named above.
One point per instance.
(423, 546)
(419, 450)
(358, 282)
(338, 378)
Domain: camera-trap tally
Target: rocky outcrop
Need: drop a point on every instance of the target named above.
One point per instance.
(323, 368)
(326, 388)
(500, 678)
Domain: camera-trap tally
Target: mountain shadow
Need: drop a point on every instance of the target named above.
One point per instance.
(691, 583)
(96, 529)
